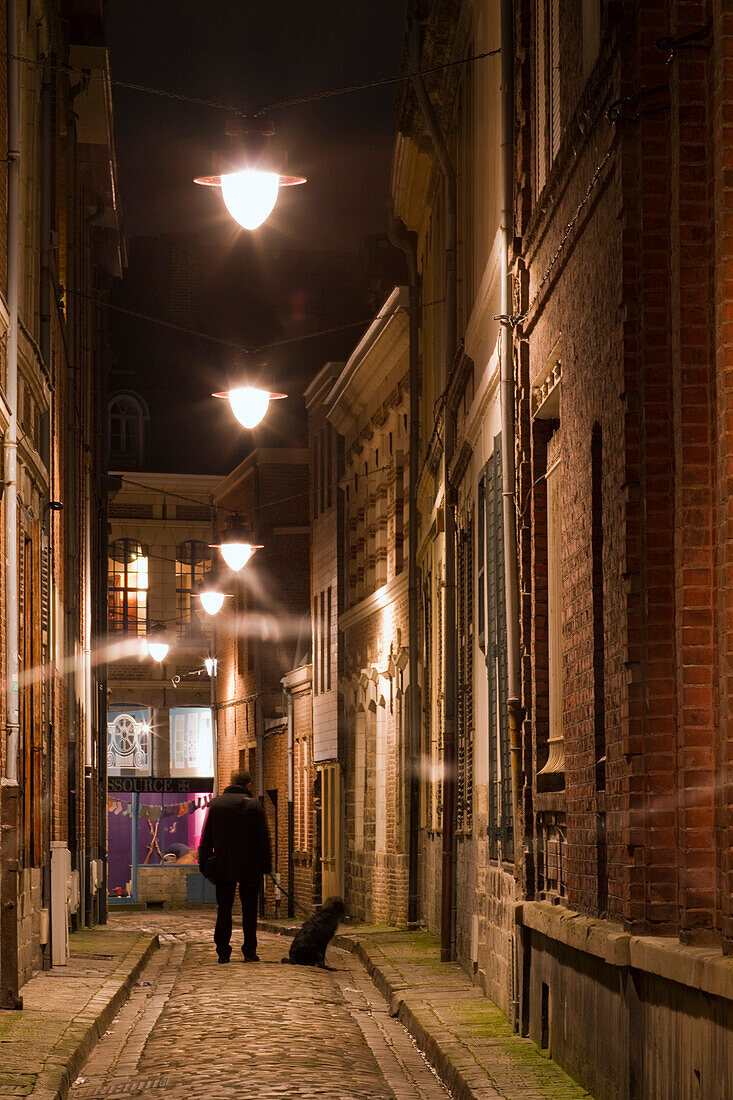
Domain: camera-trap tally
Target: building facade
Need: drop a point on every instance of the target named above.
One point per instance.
(368, 405)
(59, 250)
(623, 368)
(262, 638)
(327, 597)
(160, 730)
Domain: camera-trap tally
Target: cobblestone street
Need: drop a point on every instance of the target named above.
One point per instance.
(195, 1028)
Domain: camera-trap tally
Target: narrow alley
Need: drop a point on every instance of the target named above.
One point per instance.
(192, 1027)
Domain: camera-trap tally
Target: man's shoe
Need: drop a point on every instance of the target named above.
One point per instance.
(251, 958)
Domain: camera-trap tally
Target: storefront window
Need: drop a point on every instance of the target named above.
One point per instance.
(191, 742)
(129, 741)
(169, 829)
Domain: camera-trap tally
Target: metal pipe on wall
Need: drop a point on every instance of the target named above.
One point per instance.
(448, 892)
(9, 850)
(47, 453)
(291, 797)
(407, 242)
(71, 587)
(508, 426)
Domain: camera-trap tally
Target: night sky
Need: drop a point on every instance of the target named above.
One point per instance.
(254, 53)
(303, 271)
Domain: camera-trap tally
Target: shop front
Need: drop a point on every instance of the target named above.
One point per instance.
(161, 780)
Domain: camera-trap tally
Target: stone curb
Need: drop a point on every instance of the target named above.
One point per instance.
(390, 984)
(84, 1031)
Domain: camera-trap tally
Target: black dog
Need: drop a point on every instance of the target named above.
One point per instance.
(311, 940)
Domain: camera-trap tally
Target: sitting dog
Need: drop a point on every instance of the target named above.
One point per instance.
(311, 940)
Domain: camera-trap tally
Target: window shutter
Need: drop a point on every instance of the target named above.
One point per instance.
(540, 78)
(554, 106)
(503, 671)
(462, 685)
(491, 600)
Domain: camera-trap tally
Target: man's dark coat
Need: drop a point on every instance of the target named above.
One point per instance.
(235, 831)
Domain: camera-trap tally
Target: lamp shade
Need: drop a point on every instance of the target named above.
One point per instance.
(158, 650)
(236, 544)
(157, 643)
(211, 601)
(250, 195)
(249, 403)
(237, 554)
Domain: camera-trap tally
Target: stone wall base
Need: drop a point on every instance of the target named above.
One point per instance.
(631, 1017)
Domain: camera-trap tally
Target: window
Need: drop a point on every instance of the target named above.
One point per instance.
(127, 590)
(547, 88)
(191, 742)
(193, 561)
(464, 754)
(359, 777)
(380, 778)
(302, 795)
(500, 783)
(553, 481)
(127, 414)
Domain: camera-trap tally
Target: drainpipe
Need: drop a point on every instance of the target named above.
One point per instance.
(448, 897)
(508, 429)
(44, 341)
(291, 807)
(70, 502)
(9, 997)
(407, 241)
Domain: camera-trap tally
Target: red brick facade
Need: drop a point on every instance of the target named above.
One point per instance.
(259, 639)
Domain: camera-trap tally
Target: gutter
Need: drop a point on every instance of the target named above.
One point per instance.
(448, 893)
(508, 427)
(9, 847)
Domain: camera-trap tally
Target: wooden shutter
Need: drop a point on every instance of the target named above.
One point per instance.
(554, 118)
(540, 80)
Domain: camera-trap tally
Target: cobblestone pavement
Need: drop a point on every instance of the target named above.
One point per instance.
(195, 1028)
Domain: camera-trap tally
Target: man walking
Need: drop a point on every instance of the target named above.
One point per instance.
(235, 848)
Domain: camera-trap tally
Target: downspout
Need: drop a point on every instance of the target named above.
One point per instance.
(407, 241)
(9, 997)
(44, 339)
(70, 503)
(508, 428)
(448, 894)
(291, 788)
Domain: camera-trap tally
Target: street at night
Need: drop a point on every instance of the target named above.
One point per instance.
(366, 549)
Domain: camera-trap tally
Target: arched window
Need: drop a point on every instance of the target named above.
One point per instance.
(193, 561)
(127, 414)
(127, 588)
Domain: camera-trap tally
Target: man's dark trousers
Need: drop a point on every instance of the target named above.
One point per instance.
(249, 893)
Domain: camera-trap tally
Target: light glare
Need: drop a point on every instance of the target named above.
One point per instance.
(211, 601)
(236, 554)
(249, 405)
(158, 650)
(250, 196)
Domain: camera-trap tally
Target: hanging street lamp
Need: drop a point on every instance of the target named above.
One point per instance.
(210, 595)
(236, 544)
(156, 643)
(249, 401)
(210, 664)
(251, 178)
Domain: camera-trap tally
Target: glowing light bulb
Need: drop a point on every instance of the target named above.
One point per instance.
(250, 196)
(210, 665)
(158, 650)
(249, 405)
(237, 554)
(211, 601)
